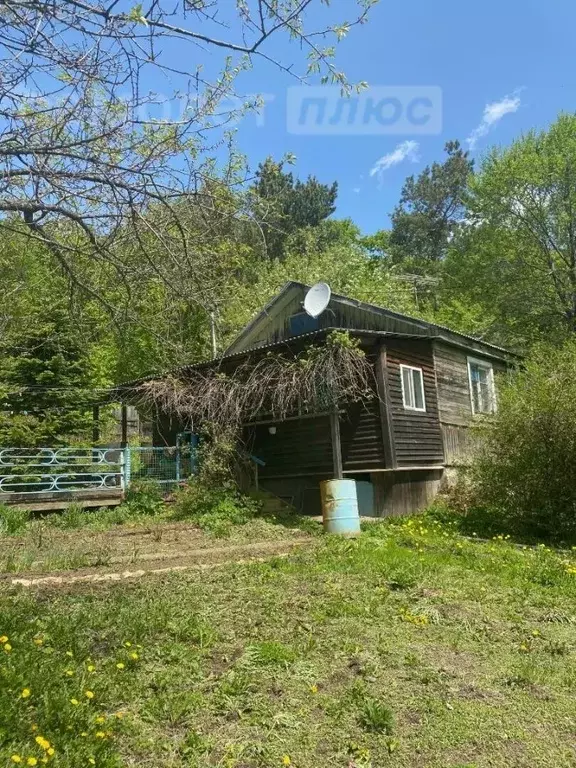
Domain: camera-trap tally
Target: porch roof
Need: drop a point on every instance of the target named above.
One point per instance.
(122, 391)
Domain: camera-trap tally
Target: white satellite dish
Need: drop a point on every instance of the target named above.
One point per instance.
(317, 299)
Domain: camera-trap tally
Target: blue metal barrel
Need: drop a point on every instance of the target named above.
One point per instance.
(340, 507)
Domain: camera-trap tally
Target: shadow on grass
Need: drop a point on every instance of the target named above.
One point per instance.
(487, 523)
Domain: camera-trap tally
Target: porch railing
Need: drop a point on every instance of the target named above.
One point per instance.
(70, 469)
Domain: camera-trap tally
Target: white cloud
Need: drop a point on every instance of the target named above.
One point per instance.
(356, 190)
(493, 113)
(408, 150)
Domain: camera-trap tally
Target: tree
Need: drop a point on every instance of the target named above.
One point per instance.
(46, 384)
(284, 205)
(88, 143)
(525, 198)
(430, 212)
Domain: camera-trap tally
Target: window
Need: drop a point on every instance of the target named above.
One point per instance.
(412, 388)
(482, 392)
(302, 322)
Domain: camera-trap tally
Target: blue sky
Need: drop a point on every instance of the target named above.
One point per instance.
(509, 61)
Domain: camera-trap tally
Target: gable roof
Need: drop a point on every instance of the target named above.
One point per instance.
(268, 325)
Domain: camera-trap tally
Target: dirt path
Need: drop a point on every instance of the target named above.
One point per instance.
(198, 559)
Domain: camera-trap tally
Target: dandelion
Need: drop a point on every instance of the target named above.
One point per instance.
(286, 760)
(31, 761)
(313, 689)
(7, 647)
(38, 641)
(91, 761)
(91, 668)
(89, 694)
(16, 759)
(134, 656)
(100, 719)
(50, 751)
(75, 702)
(100, 735)
(69, 653)
(42, 742)
(4, 639)
(120, 665)
(25, 693)
(128, 644)
(70, 672)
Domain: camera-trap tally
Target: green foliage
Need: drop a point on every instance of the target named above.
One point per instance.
(144, 497)
(12, 520)
(377, 717)
(525, 474)
(285, 205)
(216, 509)
(516, 259)
(430, 211)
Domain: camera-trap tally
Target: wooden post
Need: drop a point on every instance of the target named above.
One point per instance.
(336, 445)
(385, 408)
(124, 421)
(95, 425)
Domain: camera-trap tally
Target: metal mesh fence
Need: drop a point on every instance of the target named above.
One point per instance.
(166, 466)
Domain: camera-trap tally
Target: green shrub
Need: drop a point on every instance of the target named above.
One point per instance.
(74, 516)
(525, 474)
(144, 497)
(12, 520)
(215, 509)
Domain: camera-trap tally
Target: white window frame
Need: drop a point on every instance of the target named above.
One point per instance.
(404, 398)
(487, 365)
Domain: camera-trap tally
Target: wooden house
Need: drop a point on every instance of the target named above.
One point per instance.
(432, 383)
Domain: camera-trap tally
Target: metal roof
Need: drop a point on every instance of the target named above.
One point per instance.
(371, 308)
(179, 371)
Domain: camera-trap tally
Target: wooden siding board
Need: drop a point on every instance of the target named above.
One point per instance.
(417, 435)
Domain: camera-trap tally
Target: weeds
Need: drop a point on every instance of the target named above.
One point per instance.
(12, 520)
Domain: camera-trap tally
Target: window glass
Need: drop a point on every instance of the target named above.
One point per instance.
(481, 387)
(412, 388)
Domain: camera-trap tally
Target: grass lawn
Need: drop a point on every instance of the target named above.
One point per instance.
(409, 646)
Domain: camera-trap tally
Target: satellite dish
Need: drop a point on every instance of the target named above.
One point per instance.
(317, 299)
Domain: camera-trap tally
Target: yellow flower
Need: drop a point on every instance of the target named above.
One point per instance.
(70, 672)
(4, 639)
(7, 647)
(119, 665)
(25, 693)
(91, 668)
(313, 689)
(100, 735)
(31, 761)
(119, 715)
(50, 751)
(286, 760)
(38, 641)
(69, 653)
(89, 694)
(100, 719)
(134, 656)
(91, 761)
(128, 644)
(16, 759)
(74, 701)
(42, 742)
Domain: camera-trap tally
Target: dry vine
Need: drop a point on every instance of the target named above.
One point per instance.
(317, 380)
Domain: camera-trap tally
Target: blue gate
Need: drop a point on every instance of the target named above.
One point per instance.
(71, 470)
